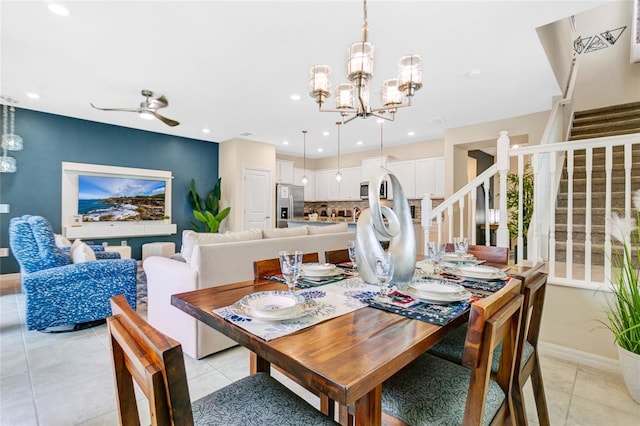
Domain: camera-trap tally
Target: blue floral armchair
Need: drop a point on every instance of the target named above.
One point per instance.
(58, 292)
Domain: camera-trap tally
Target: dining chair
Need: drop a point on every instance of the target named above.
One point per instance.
(337, 256)
(527, 361)
(492, 254)
(155, 362)
(266, 267)
(432, 390)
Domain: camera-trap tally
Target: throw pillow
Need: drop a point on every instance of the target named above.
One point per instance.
(285, 232)
(61, 241)
(328, 229)
(74, 246)
(82, 253)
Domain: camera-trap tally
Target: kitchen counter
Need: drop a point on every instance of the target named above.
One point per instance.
(329, 220)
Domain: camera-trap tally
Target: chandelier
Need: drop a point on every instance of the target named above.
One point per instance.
(352, 99)
(10, 141)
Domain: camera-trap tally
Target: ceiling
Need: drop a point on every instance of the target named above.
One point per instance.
(231, 66)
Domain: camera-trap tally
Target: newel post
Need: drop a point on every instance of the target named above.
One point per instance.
(502, 234)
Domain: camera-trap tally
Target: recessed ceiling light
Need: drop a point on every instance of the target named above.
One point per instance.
(325, 133)
(206, 131)
(32, 95)
(58, 9)
(295, 97)
(437, 120)
(411, 133)
(477, 73)
(320, 150)
(358, 142)
(285, 142)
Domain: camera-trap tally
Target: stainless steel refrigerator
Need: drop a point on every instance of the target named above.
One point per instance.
(289, 203)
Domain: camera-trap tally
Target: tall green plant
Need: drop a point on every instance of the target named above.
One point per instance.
(623, 312)
(207, 211)
(513, 196)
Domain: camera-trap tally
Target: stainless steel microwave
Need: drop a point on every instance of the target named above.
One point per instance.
(364, 190)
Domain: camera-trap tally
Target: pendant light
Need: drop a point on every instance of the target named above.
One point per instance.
(338, 174)
(11, 141)
(304, 173)
(7, 164)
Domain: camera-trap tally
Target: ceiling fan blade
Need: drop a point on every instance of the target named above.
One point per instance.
(165, 120)
(159, 102)
(116, 109)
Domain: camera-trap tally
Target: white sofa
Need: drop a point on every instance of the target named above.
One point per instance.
(217, 259)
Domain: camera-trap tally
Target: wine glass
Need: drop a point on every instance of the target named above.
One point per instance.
(384, 273)
(290, 262)
(351, 246)
(460, 247)
(435, 253)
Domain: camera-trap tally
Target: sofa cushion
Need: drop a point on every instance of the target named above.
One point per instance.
(82, 253)
(61, 241)
(328, 229)
(192, 238)
(285, 232)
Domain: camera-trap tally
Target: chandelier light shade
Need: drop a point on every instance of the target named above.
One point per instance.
(352, 99)
(10, 141)
(8, 164)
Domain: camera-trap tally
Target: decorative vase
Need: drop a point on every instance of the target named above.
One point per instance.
(630, 366)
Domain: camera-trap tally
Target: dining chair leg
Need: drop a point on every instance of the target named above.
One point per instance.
(538, 393)
(327, 406)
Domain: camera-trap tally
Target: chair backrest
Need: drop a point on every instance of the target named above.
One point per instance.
(154, 361)
(492, 320)
(532, 305)
(337, 256)
(492, 254)
(33, 244)
(265, 267)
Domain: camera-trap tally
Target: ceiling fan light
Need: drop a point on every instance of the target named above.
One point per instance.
(320, 82)
(410, 74)
(147, 115)
(360, 63)
(391, 96)
(344, 96)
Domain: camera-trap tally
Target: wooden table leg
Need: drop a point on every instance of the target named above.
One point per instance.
(344, 417)
(258, 365)
(368, 409)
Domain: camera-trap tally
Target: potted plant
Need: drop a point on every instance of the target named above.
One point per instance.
(513, 196)
(623, 313)
(207, 211)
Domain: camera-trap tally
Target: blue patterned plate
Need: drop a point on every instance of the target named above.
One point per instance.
(308, 306)
(272, 303)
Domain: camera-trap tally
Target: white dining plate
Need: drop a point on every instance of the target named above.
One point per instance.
(317, 273)
(435, 286)
(272, 303)
(463, 258)
(318, 266)
(307, 307)
(440, 299)
(480, 272)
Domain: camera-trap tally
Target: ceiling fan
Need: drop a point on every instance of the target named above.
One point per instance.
(148, 108)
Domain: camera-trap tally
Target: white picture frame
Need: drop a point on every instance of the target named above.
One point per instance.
(635, 32)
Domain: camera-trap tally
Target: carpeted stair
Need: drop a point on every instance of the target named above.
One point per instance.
(609, 121)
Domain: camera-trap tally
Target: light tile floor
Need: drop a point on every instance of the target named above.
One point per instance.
(65, 379)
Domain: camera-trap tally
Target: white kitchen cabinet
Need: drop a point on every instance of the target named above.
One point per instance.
(310, 187)
(284, 171)
(405, 171)
(333, 185)
(350, 185)
(322, 185)
(430, 177)
(369, 165)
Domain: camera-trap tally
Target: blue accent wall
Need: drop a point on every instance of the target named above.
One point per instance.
(36, 188)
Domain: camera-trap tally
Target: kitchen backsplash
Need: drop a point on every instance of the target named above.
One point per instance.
(345, 208)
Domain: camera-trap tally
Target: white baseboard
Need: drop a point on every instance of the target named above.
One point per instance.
(579, 357)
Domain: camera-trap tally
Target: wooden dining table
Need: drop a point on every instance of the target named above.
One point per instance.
(344, 359)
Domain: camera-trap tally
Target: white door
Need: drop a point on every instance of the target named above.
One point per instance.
(257, 199)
